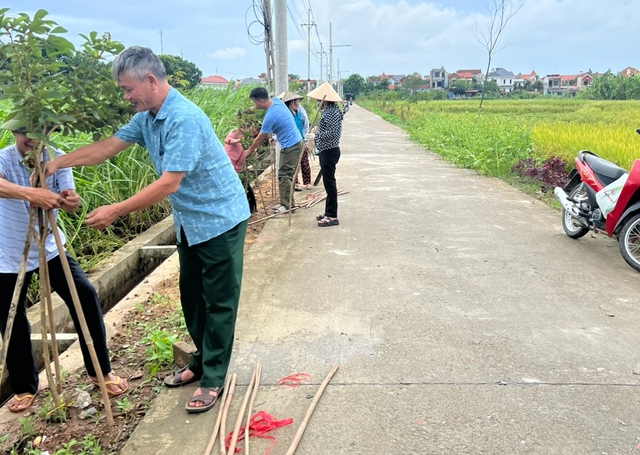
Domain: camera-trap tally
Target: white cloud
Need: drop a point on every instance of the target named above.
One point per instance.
(230, 53)
(394, 36)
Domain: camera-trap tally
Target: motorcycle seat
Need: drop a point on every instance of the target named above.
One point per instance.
(605, 171)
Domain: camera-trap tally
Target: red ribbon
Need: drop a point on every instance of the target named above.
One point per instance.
(294, 380)
(259, 425)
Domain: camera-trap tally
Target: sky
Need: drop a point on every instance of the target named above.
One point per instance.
(369, 37)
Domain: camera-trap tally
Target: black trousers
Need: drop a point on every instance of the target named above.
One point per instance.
(23, 373)
(328, 160)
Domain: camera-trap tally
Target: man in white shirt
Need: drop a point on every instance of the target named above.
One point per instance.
(16, 197)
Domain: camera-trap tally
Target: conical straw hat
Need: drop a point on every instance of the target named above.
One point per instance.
(288, 96)
(324, 91)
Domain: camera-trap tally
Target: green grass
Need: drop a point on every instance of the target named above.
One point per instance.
(504, 132)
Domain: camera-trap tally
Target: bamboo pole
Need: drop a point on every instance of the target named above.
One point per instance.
(223, 422)
(254, 392)
(257, 183)
(83, 322)
(44, 275)
(243, 407)
(216, 427)
(22, 271)
(316, 398)
(42, 260)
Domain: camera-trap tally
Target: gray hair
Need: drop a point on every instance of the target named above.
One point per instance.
(138, 62)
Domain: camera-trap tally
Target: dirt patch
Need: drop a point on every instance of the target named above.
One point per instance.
(141, 353)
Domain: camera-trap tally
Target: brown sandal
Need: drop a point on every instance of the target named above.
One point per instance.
(175, 380)
(205, 397)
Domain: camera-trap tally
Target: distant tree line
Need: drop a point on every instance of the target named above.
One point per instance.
(611, 86)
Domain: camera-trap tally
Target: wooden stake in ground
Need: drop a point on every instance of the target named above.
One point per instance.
(243, 406)
(307, 417)
(83, 322)
(216, 427)
(257, 373)
(42, 261)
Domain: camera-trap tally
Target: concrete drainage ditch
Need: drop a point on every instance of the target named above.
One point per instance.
(113, 279)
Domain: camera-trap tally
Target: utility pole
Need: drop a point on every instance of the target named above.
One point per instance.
(309, 24)
(330, 55)
(161, 47)
(268, 46)
(331, 46)
(321, 54)
(282, 60)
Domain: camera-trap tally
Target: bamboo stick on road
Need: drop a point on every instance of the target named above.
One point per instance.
(243, 407)
(216, 427)
(307, 417)
(225, 412)
(254, 392)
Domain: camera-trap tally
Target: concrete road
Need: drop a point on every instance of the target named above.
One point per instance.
(464, 321)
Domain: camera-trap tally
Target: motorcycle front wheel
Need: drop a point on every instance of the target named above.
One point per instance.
(570, 225)
(629, 241)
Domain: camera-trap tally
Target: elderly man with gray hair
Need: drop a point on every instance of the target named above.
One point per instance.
(210, 210)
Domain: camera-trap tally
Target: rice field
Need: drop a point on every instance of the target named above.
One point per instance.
(504, 132)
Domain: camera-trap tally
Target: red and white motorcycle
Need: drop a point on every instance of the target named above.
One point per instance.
(595, 179)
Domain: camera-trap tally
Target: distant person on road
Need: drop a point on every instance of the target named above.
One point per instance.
(327, 141)
(278, 120)
(16, 195)
(210, 210)
(292, 101)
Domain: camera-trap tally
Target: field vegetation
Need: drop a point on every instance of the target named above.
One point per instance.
(510, 137)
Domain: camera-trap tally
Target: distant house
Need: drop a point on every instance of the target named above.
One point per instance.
(252, 81)
(466, 75)
(396, 79)
(214, 82)
(531, 77)
(506, 80)
(439, 79)
(629, 71)
(566, 84)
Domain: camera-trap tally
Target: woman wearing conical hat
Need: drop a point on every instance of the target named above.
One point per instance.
(327, 141)
(292, 101)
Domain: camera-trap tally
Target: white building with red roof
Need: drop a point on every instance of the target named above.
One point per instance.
(214, 82)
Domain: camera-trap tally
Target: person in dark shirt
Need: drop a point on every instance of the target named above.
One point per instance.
(327, 142)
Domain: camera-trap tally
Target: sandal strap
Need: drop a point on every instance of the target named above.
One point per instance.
(205, 395)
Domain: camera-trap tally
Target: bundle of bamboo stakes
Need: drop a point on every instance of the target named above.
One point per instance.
(308, 201)
(46, 223)
(219, 428)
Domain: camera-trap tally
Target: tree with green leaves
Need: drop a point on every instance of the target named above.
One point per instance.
(52, 85)
(413, 82)
(179, 69)
(354, 85)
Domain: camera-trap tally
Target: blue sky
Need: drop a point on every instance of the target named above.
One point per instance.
(395, 37)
